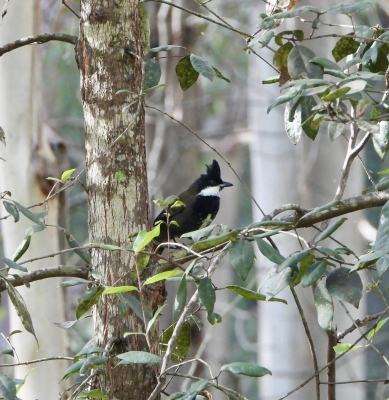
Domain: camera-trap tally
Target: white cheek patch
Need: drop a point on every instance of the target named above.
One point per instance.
(211, 191)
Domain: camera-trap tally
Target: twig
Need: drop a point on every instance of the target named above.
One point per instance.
(310, 341)
(201, 16)
(67, 6)
(38, 39)
(36, 361)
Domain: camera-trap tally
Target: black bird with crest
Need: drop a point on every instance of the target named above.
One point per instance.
(202, 202)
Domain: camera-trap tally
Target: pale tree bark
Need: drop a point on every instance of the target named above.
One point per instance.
(299, 174)
(29, 160)
(110, 59)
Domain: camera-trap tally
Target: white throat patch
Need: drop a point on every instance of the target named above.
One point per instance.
(210, 191)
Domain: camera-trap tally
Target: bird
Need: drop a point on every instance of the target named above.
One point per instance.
(201, 202)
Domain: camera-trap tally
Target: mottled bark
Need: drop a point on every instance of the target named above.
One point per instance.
(110, 59)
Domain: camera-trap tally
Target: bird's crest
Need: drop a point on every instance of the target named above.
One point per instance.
(213, 171)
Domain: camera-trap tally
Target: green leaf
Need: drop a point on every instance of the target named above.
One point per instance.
(368, 127)
(186, 74)
(8, 352)
(219, 75)
(293, 259)
(7, 388)
(250, 294)
(214, 318)
(242, 257)
(207, 294)
(136, 306)
(21, 309)
(293, 128)
(88, 300)
(325, 63)
(86, 351)
(75, 282)
(324, 306)
(138, 357)
(72, 242)
(263, 39)
(30, 215)
(96, 394)
(182, 346)
(321, 208)
(202, 66)
(295, 11)
(345, 286)
(162, 276)
(343, 347)
(120, 289)
(269, 251)
(329, 252)
(144, 238)
(280, 58)
(335, 94)
(246, 369)
(299, 65)
(331, 229)
(180, 299)
(381, 243)
(281, 281)
(144, 28)
(200, 233)
(349, 8)
(313, 273)
(345, 46)
(73, 369)
(67, 174)
(11, 209)
(376, 329)
(155, 316)
(165, 48)
(214, 241)
(14, 265)
(153, 88)
(381, 139)
(151, 74)
(309, 124)
(290, 94)
(382, 264)
(335, 129)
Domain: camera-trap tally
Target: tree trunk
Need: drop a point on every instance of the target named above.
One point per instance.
(29, 161)
(110, 59)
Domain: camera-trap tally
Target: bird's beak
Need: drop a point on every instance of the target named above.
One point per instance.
(225, 184)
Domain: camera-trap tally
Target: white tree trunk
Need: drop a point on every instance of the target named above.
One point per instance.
(284, 173)
(26, 145)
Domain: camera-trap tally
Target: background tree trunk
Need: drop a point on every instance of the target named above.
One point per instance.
(29, 160)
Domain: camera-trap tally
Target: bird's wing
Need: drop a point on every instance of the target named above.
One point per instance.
(173, 211)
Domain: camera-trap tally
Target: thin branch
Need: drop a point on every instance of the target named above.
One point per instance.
(201, 16)
(38, 39)
(310, 341)
(67, 6)
(36, 361)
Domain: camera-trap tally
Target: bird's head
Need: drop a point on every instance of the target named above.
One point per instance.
(211, 183)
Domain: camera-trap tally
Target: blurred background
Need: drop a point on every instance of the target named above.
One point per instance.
(230, 118)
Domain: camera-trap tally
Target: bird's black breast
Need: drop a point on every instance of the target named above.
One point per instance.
(198, 213)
